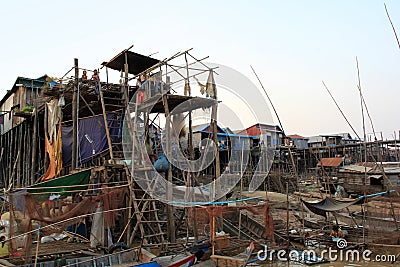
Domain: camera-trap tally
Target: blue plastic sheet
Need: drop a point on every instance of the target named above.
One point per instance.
(92, 138)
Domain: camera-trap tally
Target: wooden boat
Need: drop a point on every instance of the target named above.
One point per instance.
(386, 224)
(180, 260)
(383, 224)
(310, 222)
(186, 262)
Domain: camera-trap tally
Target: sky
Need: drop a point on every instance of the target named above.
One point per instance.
(293, 46)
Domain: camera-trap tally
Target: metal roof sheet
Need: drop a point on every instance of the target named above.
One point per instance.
(137, 63)
(330, 162)
(296, 136)
(356, 168)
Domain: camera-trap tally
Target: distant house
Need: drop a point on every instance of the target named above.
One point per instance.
(298, 141)
(316, 141)
(270, 135)
(22, 94)
(331, 140)
(226, 138)
(357, 177)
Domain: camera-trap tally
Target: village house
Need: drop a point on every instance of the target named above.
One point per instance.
(330, 140)
(21, 96)
(297, 141)
(270, 135)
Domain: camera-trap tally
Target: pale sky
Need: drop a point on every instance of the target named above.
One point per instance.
(293, 45)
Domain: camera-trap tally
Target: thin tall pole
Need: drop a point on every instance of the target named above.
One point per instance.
(287, 214)
(365, 146)
(75, 118)
(270, 101)
(337, 105)
(391, 23)
(34, 140)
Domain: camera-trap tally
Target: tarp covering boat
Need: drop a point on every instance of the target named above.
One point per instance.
(331, 205)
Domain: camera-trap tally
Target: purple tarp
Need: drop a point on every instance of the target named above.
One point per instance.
(92, 137)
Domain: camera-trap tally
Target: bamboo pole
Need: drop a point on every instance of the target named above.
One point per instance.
(170, 210)
(74, 163)
(191, 154)
(21, 155)
(37, 245)
(241, 189)
(391, 23)
(28, 155)
(287, 215)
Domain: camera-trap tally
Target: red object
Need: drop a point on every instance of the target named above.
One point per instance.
(296, 136)
(140, 96)
(95, 77)
(259, 128)
(189, 261)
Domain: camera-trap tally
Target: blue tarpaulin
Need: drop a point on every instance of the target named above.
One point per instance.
(92, 138)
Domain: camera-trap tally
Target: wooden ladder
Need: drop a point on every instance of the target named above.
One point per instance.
(145, 209)
(114, 102)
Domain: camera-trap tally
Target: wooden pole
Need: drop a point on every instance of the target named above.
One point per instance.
(170, 210)
(395, 145)
(214, 125)
(241, 189)
(215, 139)
(28, 154)
(128, 116)
(287, 215)
(394, 215)
(74, 163)
(20, 158)
(37, 246)
(191, 152)
(103, 106)
(365, 150)
(391, 23)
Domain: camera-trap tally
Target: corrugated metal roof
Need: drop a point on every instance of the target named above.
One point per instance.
(200, 127)
(376, 176)
(263, 126)
(392, 169)
(203, 128)
(330, 162)
(315, 139)
(356, 168)
(296, 136)
(137, 63)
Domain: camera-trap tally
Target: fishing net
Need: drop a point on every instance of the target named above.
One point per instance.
(261, 214)
(28, 211)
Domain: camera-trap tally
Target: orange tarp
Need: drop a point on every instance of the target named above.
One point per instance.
(55, 160)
